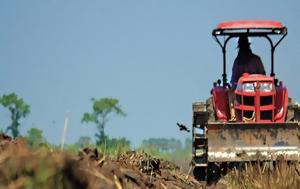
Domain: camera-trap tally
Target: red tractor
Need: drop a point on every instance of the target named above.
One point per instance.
(266, 126)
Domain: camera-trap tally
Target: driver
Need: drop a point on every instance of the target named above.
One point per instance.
(245, 62)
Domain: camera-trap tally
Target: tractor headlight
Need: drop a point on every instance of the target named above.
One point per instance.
(266, 87)
(248, 87)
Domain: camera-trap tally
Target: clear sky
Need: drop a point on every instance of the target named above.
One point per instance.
(156, 57)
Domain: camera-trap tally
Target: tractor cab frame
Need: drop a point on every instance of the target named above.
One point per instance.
(252, 28)
(259, 98)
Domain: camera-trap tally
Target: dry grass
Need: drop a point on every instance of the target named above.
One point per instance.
(283, 175)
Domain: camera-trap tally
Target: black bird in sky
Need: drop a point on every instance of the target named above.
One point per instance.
(182, 127)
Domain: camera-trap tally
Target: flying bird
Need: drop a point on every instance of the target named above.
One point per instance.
(182, 127)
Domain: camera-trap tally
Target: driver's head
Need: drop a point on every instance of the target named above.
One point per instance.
(243, 43)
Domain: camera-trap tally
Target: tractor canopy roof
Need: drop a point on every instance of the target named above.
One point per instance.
(250, 28)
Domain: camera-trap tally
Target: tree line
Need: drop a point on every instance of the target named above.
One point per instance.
(102, 109)
(100, 114)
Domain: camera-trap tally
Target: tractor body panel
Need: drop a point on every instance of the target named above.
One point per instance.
(233, 142)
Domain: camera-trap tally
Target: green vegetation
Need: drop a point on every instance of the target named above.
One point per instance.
(115, 146)
(162, 144)
(170, 149)
(111, 146)
(102, 109)
(35, 137)
(84, 141)
(18, 109)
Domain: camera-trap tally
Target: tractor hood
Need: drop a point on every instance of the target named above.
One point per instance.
(246, 78)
